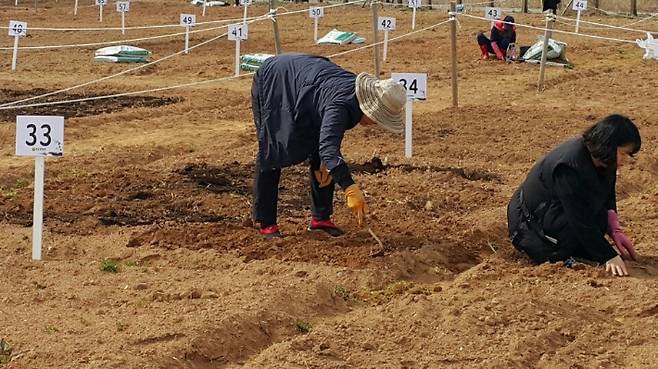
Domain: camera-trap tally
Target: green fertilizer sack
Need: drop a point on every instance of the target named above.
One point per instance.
(255, 59)
(337, 37)
(249, 67)
(122, 50)
(120, 59)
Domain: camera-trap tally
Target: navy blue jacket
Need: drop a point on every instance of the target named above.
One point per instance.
(302, 105)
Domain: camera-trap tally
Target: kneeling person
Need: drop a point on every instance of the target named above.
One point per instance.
(567, 203)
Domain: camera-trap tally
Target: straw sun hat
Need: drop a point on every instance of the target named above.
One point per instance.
(382, 101)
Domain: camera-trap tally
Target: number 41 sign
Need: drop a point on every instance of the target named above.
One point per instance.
(416, 86)
(39, 136)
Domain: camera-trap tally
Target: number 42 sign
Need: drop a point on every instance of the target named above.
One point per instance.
(39, 136)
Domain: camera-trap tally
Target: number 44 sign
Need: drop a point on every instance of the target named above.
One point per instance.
(579, 5)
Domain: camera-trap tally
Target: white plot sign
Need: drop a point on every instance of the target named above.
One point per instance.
(187, 21)
(39, 136)
(414, 4)
(316, 14)
(123, 6)
(385, 24)
(493, 13)
(238, 32)
(16, 30)
(579, 5)
(416, 86)
(101, 4)
(414, 83)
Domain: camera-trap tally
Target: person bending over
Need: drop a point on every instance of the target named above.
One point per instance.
(302, 106)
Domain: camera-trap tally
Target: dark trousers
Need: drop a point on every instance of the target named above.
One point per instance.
(484, 41)
(547, 236)
(266, 194)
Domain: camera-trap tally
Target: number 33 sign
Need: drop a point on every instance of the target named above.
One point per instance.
(39, 135)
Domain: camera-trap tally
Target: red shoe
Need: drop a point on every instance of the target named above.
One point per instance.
(326, 226)
(485, 52)
(270, 232)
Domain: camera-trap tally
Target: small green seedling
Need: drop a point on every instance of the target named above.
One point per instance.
(304, 327)
(109, 265)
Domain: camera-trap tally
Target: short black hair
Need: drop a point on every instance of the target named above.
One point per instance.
(603, 138)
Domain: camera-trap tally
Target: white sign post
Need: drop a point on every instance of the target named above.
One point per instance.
(237, 33)
(123, 7)
(579, 6)
(385, 24)
(101, 4)
(246, 4)
(493, 14)
(75, 8)
(414, 4)
(416, 86)
(316, 14)
(187, 21)
(39, 136)
(203, 13)
(16, 30)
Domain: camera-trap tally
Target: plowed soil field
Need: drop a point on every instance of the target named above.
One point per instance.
(160, 183)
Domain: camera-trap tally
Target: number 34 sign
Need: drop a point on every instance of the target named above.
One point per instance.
(414, 83)
(39, 135)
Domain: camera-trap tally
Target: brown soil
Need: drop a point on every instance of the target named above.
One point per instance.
(161, 184)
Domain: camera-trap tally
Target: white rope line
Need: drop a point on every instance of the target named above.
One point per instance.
(96, 29)
(390, 39)
(12, 103)
(604, 25)
(642, 20)
(128, 28)
(189, 84)
(45, 47)
(553, 30)
(134, 40)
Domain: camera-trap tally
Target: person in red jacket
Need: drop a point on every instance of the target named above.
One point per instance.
(503, 34)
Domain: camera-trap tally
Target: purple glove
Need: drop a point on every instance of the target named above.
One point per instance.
(623, 243)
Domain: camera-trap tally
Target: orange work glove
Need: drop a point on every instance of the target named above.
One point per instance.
(322, 176)
(357, 202)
